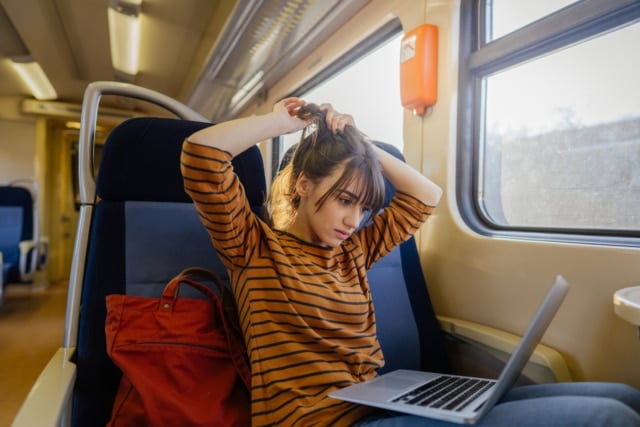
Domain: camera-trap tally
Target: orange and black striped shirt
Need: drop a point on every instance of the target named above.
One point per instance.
(305, 310)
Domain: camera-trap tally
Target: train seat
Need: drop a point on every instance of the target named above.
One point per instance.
(144, 231)
(138, 228)
(17, 242)
(150, 219)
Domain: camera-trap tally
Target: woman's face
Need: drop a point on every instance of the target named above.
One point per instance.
(332, 222)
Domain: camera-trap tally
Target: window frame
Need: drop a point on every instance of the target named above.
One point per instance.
(574, 23)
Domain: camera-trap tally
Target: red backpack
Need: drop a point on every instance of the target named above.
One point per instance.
(183, 360)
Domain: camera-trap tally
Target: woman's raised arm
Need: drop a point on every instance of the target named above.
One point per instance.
(235, 136)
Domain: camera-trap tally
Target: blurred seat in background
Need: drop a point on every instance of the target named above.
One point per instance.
(19, 240)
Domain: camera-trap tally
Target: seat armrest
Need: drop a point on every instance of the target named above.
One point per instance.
(50, 397)
(546, 364)
(28, 259)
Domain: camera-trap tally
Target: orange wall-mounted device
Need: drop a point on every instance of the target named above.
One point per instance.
(419, 68)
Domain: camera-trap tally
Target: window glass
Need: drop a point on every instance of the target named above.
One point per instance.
(369, 90)
(562, 138)
(507, 16)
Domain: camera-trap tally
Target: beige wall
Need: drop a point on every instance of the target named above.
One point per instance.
(17, 150)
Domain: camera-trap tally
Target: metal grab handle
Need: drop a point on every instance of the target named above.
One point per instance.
(87, 181)
(89, 118)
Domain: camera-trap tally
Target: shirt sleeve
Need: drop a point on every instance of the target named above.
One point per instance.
(400, 220)
(220, 200)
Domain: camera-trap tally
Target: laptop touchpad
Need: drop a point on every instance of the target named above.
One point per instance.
(394, 383)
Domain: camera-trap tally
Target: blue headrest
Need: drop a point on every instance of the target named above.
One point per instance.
(389, 190)
(20, 197)
(136, 173)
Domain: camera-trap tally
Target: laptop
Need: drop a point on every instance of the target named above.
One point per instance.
(455, 398)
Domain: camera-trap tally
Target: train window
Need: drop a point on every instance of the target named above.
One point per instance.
(553, 142)
(368, 88)
(565, 151)
(506, 16)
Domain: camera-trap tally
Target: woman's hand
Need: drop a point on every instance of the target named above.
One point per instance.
(336, 121)
(287, 110)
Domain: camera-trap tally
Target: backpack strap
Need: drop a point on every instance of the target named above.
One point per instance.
(226, 307)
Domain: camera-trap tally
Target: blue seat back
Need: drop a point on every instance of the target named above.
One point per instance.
(144, 230)
(16, 225)
(408, 329)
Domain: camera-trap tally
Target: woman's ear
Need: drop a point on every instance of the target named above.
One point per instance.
(303, 185)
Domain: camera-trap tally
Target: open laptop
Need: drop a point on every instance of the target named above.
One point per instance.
(452, 397)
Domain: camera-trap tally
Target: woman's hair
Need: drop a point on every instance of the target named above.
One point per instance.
(319, 153)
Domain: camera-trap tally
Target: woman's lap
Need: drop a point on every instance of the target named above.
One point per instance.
(558, 404)
(618, 391)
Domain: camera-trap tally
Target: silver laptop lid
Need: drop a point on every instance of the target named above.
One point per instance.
(530, 340)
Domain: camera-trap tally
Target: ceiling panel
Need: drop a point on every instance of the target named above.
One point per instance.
(189, 51)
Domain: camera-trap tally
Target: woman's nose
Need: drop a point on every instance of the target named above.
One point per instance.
(353, 218)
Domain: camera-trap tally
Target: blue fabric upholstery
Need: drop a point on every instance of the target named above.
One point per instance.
(10, 230)
(144, 230)
(16, 225)
(408, 329)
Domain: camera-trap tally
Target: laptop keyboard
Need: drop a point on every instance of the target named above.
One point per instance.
(446, 392)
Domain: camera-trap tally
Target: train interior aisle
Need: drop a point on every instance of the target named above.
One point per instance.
(31, 329)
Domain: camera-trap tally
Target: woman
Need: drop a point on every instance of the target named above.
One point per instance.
(303, 296)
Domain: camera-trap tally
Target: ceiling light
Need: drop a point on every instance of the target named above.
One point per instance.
(248, 89)
(124, 35)
(33, 76)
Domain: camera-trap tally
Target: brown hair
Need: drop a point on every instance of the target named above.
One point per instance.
(318, 154)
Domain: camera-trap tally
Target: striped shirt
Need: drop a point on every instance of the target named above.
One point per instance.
(305, 310)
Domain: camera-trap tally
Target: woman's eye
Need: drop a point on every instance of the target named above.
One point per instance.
(346, 201)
